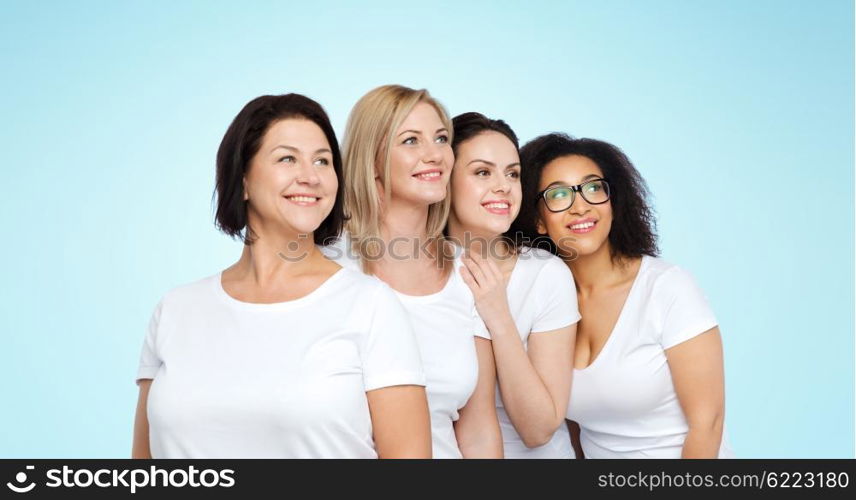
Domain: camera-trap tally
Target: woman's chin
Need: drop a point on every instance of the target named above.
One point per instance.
(579, 248)
(426, 193)
(422, 199)
(432, 198)
(303, 227)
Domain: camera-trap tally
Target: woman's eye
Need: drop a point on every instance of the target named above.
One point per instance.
(443, 139)
(288, 159)
(322, 161)
(514, 174)
(558, 194)
(593, 188)
(409, 141)
(482, 173)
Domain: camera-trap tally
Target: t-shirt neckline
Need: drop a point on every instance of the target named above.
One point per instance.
(431, 296)
(618, 323)
(319, 292)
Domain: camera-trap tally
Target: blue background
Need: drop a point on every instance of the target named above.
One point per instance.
(739, 114)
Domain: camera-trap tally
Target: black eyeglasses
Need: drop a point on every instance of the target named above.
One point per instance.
(560, 198)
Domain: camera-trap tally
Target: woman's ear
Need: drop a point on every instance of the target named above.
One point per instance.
(244, 184)
(539, 226)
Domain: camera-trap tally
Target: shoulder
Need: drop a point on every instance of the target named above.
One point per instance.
(195, 295)
(340, 252)
(366, 289)
(664, 275)
(192, 292)
(355, 279)
(539, 263)
(680, 307)
(667, 283)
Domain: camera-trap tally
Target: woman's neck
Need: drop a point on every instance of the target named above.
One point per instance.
(404, 220)
(492, 246)
(598, 270)
(273, 256)
(407, 244)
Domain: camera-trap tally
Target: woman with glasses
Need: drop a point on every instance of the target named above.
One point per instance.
(526, 298)
(648, 370)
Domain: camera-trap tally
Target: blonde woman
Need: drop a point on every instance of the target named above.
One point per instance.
(398, 159)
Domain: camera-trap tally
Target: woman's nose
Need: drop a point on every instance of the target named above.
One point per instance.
(433, 153)
(579, 205)
(307, 174)
(502, 185)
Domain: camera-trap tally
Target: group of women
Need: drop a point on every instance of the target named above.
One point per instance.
(432, 290)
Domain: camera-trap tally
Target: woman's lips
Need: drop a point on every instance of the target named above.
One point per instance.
(303, 200)
(583, 226)
(498, 207)
(429, 175)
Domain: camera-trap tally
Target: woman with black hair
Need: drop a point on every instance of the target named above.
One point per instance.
(526, 298)
(284, 354)
(648, 370)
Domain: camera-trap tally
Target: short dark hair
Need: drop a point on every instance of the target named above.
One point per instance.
(241, 143)
(633, 231)
(468, 125)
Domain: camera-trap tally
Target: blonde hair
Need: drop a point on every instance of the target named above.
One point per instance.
(366, 146)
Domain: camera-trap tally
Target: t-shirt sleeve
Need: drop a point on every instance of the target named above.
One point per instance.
(479, 328)
(685, 311)
(150, 361)
(390, 352)
(556, 297)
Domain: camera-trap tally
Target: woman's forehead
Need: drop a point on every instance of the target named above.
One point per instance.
(571, 169)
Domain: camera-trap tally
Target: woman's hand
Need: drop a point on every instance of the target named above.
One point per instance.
(488, 285)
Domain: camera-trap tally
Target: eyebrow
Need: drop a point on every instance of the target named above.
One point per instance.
(560, 183)
(492, 164)
(292, 148)
(444, 129)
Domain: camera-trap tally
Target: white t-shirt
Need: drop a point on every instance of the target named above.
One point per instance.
(542, 297)
(445, 324)
(625, 401)
(235, 379)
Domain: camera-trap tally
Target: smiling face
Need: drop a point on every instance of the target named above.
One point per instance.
(486, 189)
(291, 184)
(420, 157)
(582, 229)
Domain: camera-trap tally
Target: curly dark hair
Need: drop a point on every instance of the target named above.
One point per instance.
(633, 231)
